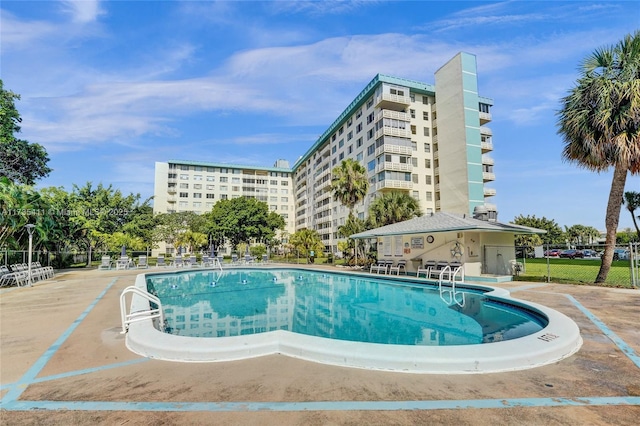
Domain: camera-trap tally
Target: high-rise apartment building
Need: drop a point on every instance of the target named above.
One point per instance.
(427, 140)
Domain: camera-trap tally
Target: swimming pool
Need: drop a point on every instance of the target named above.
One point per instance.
(348, 319)
(363, 309)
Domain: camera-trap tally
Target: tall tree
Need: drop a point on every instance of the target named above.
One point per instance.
(20, 161)
(349, 183)
(554, 233)
(393, 207)
(600, 124)
(306, 240)
(632, 201)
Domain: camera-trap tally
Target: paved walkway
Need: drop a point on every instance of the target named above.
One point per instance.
(63, 361)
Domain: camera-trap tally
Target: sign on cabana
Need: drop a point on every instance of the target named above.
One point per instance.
(417, 242)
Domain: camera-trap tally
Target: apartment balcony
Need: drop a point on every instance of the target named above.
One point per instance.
(392, 102)
(488, 176)
(393, 184)
(436, 187)
(489, 192)
(485, 131)
(486, 160)
(396, 167)
(171, 190)
(171, 199)
(434, 138)
(393, 131)
(395, 115)
(172, 180)
(322, 185)
(394, 149)
(435, 155)
(486, 147)
(434, 123)
(485, 117)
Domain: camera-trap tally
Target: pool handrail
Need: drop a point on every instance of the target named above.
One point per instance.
(139, 315)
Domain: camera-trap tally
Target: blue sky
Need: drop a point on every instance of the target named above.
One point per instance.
(109, 88)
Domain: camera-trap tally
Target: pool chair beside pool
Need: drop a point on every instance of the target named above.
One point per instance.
(105, 263)
(178, 262)
(400, 266)
(160, 261)
(142, 262)
(379, 266)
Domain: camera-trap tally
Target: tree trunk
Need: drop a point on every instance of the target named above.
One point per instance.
(612, 219)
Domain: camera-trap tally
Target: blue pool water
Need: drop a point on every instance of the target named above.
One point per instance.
(332, 305)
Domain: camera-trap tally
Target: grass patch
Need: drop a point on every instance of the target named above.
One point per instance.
(575, 271)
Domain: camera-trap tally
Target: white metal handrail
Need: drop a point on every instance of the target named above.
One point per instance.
(452, 294)
(139, 315)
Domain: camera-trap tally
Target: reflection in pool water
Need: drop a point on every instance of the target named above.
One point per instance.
(336, 306)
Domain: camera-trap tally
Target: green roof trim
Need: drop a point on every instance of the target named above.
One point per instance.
(229, 166)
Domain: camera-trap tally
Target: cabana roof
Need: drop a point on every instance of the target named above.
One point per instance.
(445, 222)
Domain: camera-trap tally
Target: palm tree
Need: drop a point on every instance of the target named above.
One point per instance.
(393, 207)
(600, 124)
(349, 183)
(632, 201)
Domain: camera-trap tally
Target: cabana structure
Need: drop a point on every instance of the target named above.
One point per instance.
(485, 248)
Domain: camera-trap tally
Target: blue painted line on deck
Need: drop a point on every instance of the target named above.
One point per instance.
(78, 372)
(28, 378)
(621, 344)
(321, 405)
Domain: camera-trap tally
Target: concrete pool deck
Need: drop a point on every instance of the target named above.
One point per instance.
(64, 361)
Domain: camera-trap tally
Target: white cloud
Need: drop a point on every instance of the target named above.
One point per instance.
(82, 11)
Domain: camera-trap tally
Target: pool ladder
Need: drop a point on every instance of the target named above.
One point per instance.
(150, 313)
(450, 295)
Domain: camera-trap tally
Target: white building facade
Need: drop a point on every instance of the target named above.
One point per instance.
(430, 141)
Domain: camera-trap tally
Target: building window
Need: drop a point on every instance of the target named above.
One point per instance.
(371, 149)
(224, 188)
(211, 178)
(425, 115)
(350, 149)
(349, 136)
(197, 204)
(211, 196)
(183, 204)
(370, 134)
(413, 97)
(359, 143)
(414, 145)
(184, 195)
(184, 168)
(427, 179)
(341, 143)
(416, 195)
(224, 179)
(197, 186)
(413, 113)
(284, 183)
(427, 147)
(184, 177)
(429, 196)
(197, 177)
(425, 100)
(413, 130)
(414, 178)
(235, 188)
(427, 163)
(184, 186)
(426, 131)
(359, 128)
(371, 165)
(370, 103)
(197, 195)
(211, 187)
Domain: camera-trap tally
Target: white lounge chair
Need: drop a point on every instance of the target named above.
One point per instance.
(401, 265)
(142, 262)
(105, 263)
(160, 261)
(123, 262)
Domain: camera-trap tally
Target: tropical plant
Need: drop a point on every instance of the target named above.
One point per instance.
(349, 183)
(580, 234)
(600, 126)
(305, 240)
(20, 161)
(353, 225)
(554, 234)
(632, 201)
(393, 207)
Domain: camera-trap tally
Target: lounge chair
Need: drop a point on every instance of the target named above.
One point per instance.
(429, 265)
(248, 258)
(123, 262)
(234, 259)
(105, 263)
(178, 262)
(265, 258)
(193, 261)
(379, 266)
(160, 261)
(142, 262)
(401, 265)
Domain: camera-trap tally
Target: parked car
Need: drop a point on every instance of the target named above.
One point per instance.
(621, 254)
(589, 253)
(571, 253)
(552, 252)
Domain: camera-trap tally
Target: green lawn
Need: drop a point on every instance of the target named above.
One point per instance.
(575, 271)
